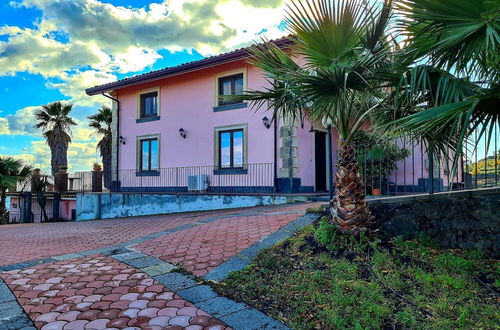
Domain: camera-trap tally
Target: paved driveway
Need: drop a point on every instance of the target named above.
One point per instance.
(116, 273)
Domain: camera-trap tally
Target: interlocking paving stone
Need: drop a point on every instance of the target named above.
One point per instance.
(127, 256)
(5, 294)
(76, 237)
(143, 262)
(21, 322)
(91, 295)
(9, 309)
(221, 306)
(68, 256)
(244, 258)
(175, 281)
(198, 293)
(96, 292)
(200, 249)
(162, 268)
(252, 319)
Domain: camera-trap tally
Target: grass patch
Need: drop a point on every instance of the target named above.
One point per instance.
(319, 279)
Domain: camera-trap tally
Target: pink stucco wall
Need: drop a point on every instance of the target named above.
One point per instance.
(186, 101)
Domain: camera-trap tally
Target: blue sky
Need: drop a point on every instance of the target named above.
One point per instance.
(51, 50)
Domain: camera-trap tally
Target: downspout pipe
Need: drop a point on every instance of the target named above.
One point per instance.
(275, 154)
(330, 165)
(117, 133)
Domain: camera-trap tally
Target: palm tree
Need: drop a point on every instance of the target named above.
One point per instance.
(56, 124)
(452, 90)
(344, 48)
(11, 172)
(101, 122)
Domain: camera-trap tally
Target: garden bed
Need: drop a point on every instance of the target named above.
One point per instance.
(318, 279)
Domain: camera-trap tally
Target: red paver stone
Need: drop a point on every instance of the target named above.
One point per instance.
(201, 248)
(96, 311)
(25, 240)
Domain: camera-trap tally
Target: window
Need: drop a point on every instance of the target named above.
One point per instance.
(148, 155)
(230, 85)
(149, 105)
(231, 149)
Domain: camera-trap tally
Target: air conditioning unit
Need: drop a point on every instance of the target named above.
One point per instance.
(198, 182)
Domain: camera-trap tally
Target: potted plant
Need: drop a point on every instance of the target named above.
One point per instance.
(97, 167)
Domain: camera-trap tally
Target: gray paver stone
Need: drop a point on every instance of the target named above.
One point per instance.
(197, 293)
(251, 319)
(175, 281)
(220, 306)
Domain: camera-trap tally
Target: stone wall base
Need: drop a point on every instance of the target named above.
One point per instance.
(464, 220)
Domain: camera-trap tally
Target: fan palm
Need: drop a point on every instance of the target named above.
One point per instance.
(56, 124)
(342, 46)
(101, 122)
(457, 92)
(11, 172)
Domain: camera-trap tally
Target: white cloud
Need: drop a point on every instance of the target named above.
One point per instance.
(82, 43)
(74, 84)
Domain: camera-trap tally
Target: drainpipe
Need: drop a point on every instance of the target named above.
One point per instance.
(330, 165)
(117, 132)
(275, 152)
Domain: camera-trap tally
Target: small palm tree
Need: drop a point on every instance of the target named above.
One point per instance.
(452, 89)
(11, 172)
(56, 124)
(101, 122)
(343, 46)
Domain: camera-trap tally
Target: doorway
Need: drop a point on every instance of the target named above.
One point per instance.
(320, 160)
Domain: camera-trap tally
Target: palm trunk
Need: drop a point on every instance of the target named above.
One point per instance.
(3, 208)
(351, 210)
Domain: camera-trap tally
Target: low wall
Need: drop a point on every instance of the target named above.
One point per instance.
(463, 219)
(92, 206)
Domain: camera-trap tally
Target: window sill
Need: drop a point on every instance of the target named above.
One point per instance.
(144, 120)
(230, 107)
(147, 173)
(229, 171)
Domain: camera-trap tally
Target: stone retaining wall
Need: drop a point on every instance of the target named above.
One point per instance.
(465, 219)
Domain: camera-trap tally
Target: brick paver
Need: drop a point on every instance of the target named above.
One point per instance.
(97, 292)
(202, 248)
(34, 241)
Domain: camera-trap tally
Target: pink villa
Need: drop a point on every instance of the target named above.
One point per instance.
(172, 133)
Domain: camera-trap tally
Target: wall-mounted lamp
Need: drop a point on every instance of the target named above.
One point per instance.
(182, 133)
(121, 139)
(266, 122)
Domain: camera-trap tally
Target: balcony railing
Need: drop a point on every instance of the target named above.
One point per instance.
(249, 178)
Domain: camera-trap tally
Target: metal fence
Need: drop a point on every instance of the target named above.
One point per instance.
(250, 178)
(76, 182)
(421, 172)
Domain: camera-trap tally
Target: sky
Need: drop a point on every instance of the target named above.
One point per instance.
(51, 50)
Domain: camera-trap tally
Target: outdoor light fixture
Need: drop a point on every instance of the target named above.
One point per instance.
(182, 133)
(266, 122)
(121, 139)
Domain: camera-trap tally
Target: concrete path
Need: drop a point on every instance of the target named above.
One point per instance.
(121, 273)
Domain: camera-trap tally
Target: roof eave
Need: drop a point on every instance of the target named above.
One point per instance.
(168, 72)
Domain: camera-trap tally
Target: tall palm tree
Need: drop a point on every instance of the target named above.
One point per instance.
(101, 122)
(56, 124)
(344, 48)
(452, 89)
(11, 172)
